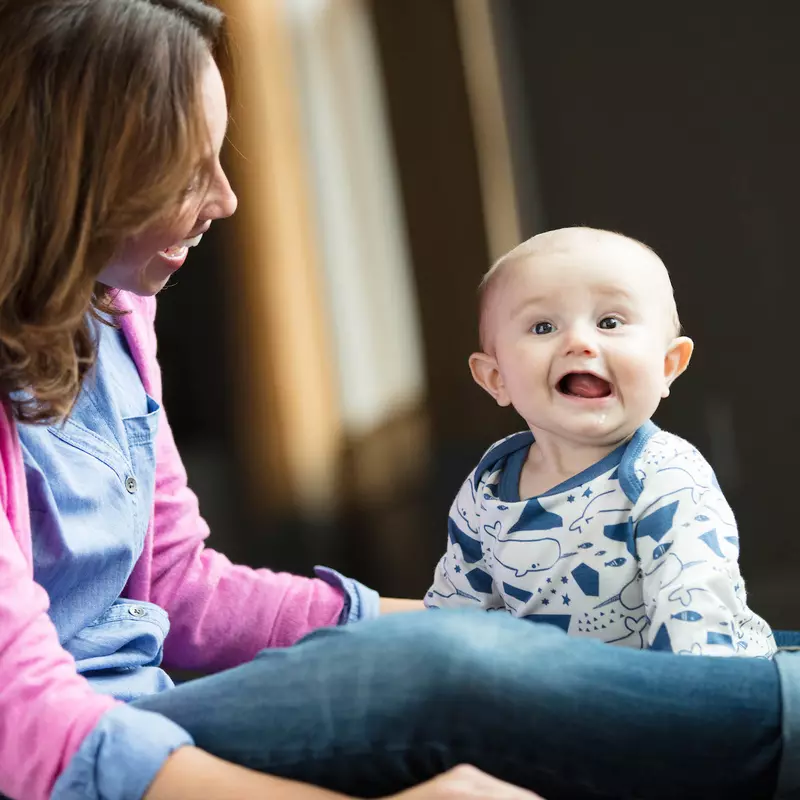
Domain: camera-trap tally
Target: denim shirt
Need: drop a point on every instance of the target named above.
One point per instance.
(90, 489)
(90, 484)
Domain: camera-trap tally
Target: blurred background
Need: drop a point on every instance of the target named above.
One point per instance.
(385, 152)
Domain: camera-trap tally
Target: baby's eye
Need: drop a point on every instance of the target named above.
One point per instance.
(541, 328)
(609, 323)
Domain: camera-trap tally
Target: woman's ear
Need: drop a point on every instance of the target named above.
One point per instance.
(486, 374)
(676, 360)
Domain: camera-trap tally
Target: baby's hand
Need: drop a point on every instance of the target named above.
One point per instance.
(465, 783)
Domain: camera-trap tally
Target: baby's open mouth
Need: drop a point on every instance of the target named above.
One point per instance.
(584, 384)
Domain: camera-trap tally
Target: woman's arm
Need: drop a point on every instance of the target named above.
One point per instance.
(191, 774)
(221, 614)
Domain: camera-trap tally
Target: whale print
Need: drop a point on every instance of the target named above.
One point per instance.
(646, 540)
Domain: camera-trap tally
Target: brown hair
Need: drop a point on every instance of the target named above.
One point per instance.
(102, 126)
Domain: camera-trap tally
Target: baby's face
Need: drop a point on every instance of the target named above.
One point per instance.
(581, 334)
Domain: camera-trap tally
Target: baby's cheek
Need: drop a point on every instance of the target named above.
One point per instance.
(651, 391)
(642, 387)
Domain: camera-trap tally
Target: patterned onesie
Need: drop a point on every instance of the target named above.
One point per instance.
(640, 549)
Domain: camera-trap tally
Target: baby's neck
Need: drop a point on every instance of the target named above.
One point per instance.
(552, 460)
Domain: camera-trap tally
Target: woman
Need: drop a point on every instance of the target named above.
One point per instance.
(112, 116)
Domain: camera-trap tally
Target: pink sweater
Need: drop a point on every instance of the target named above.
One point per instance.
(46, 708)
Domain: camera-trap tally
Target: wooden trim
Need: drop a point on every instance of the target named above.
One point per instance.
(381, 464)
(489, 118)
(290, 429)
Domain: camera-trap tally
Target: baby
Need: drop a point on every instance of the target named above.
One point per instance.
(593, 520)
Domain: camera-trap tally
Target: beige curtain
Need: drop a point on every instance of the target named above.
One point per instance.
(291, 423)
(333, 388)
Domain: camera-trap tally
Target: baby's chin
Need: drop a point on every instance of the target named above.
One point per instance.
(601, 432)
(607, 439)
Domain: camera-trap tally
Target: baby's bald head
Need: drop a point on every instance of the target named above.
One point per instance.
(557, 249)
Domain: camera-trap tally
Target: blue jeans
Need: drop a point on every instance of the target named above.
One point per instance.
(375, 707)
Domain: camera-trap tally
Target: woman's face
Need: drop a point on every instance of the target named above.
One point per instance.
(147, 261)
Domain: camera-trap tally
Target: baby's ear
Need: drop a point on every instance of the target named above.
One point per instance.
(676, 360)
(486, 374)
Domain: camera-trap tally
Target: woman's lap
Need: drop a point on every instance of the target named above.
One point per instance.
(372, 708)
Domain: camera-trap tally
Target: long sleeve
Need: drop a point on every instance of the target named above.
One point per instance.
(687, 544)
(221, 614)
(462, 577)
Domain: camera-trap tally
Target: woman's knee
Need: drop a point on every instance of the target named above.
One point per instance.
(452, 652)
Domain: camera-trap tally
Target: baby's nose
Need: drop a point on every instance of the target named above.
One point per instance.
(581, 342)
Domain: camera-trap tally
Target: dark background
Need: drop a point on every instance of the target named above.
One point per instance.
(677, 125)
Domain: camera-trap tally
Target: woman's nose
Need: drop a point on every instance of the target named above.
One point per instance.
(220, 201)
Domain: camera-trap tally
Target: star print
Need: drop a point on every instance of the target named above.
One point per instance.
(588, 492)
(552, 591)
(549, 580)
(565, 599)
(458, 569)
(571, 498)
(545, 602)
(564, 579)
(539, 590)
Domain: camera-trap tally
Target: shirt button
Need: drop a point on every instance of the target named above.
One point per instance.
(131, 485)
(137, 611)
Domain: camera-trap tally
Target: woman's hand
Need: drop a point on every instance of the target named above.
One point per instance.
(191, 774)
(465, 783)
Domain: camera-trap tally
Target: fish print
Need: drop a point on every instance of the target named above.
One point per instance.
(522, 547)
(687, 616)
(661, 549)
